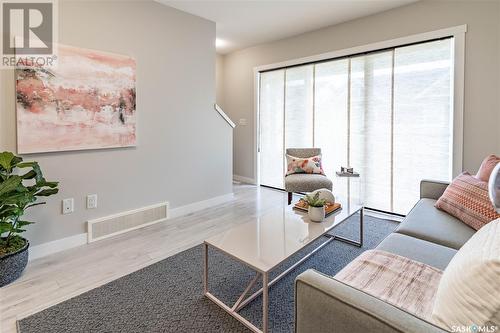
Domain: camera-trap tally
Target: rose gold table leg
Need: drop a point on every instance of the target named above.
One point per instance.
(265, 302)
(205, 268)
(361, 225)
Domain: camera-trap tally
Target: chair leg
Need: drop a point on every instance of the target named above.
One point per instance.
(290, 197)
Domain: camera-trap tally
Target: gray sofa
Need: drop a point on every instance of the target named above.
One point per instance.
(427, 235)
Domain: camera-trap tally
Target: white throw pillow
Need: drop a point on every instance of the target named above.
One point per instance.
(304, 165)
(469, 290)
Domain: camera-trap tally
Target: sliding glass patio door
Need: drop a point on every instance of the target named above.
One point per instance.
(388, 114)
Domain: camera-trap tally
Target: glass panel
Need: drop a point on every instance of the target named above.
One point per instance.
(299, 107)
(423, 77)
(271, 128)
(393, 149)
(330, 117)
(370, 133)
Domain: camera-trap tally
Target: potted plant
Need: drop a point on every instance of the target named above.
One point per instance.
(316, 209)
(21, 183)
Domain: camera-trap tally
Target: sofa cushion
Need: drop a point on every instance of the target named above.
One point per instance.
(300, 182)
(417, 249)
(469, 291)
(467, 199)
(431, 224)
(489, 163)
(400, 281)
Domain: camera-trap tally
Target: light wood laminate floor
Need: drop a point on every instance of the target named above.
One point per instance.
(55, 278)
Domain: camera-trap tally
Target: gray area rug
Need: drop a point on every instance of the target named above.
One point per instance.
(167, 296)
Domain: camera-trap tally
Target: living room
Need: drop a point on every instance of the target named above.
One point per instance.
(250, 166)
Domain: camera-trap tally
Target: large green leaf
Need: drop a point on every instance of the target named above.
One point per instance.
(36, 204)
(47, 192)
(43, 182)
(21, 188)
(7, 210)
(19, 199)
(29, 175)
(35, 168)
(21, 224)
(5, 227)
(26, 164)
(10, 184)
(15, 161)
(5, 159)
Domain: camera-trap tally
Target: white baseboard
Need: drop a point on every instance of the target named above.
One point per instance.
(58, 245)
(45, 249)
(196, 206)
(244, 179)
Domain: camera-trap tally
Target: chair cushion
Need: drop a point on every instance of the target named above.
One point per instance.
(402, 282)
(431, 224)
(420, 250)
(303, 152)
(300, 182)
(469, 291)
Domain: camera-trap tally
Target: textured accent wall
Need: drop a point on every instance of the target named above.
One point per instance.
(184, 148)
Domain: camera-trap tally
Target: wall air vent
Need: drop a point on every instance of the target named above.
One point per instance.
(112, 225)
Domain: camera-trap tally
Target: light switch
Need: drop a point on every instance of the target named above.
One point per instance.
(91, 201)
(243, 122)
(68, 206)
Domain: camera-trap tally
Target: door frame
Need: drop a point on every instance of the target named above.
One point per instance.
(457, 32)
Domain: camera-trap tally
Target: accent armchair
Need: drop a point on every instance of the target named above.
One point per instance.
(304, 182)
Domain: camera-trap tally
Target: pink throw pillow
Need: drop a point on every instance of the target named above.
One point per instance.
(487, 167)
(467, 199)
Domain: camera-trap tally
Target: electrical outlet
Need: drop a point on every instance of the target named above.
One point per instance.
(91, 201)
(68, 206)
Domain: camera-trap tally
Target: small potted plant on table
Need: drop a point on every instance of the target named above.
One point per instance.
(21, 183)
(316, 209)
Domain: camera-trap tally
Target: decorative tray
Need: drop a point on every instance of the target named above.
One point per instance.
(347, 174)
(330, 207)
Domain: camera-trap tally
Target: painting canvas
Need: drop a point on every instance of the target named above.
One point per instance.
(87, 101)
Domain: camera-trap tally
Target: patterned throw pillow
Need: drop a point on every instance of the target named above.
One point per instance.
(487, 167)
(304, 165)
(467, 199)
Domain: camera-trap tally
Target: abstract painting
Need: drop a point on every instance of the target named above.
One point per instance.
(87, 101)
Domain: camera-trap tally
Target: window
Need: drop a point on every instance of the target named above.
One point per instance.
(388, 114)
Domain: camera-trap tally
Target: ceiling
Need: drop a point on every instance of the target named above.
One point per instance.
(241, 24)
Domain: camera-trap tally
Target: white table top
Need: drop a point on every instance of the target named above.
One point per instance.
(273, 237)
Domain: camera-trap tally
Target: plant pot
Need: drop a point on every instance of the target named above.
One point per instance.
(316, 214)
(13, 264)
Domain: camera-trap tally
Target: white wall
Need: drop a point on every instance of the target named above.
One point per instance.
(184, 149)
(482, 86)
(219, 80)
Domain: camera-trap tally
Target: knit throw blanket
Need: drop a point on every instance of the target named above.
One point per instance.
(402, 282)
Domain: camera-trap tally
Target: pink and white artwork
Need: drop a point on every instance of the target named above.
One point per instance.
(86, 102)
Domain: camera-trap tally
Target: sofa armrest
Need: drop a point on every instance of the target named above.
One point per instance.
(324, 305)
(432, 189)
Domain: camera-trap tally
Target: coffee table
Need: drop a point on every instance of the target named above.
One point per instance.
(267, 241)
